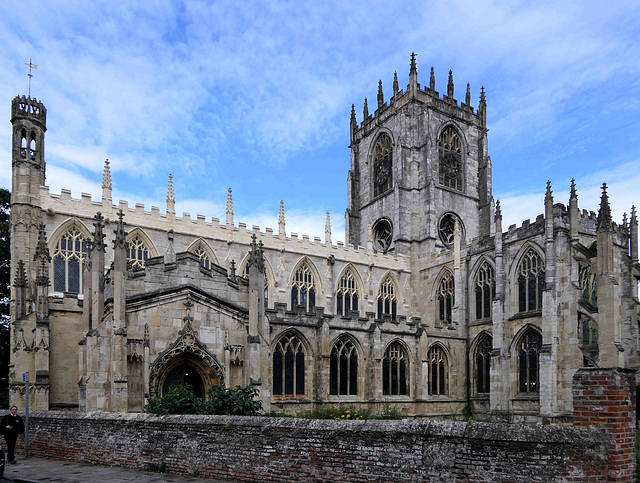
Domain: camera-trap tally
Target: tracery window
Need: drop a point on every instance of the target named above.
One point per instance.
(589, 330)
(530, 281)
(68, 256)
(588, 285)
(483, 364)
(303, 289)
(288, 367)
(382, 233)
(382, 165)
(437, 371)
(447, 228)
(387, 301)
(450, 150)
(343, 370)
(347, 294)
(205, 260)
(485, 290)
(528, 357)
(394, 371)
(137, 252)
(446, 297)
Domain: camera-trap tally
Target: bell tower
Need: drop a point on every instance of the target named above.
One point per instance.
(29, 265)
(419, 166)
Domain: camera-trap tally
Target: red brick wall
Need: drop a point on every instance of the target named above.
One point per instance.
(606, 399)
(283, 449)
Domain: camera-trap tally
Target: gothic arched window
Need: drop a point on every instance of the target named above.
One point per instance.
(245, 274)
(205, 259)
(483, 365)
(588, 285)
(485, 290)
(137, 252)
(446, 297)
(32, 144)
(437, 371)
(347, 294)
(530, 281)
(387, 301)
(528, 358)
(394, 371)
(288, 367)
(23, 143)
(68, 256)
(382, 165)
(343, 370)
(303, 288)
(450, 151)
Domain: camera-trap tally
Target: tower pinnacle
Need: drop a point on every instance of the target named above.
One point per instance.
(604, 215)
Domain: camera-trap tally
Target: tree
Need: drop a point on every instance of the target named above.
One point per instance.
(5, 295)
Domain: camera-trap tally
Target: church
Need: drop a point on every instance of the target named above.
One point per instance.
(429, 305)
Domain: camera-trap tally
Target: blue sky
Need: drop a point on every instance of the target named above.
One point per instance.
(256, 96)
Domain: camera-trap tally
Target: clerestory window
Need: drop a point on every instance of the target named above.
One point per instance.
(137, 252)
(205, 259)
(303, 288)
(485, 290)
(531, 281)
(347, 294)
(446, 297)
(68, 256)
(588, 285)
(387, 300)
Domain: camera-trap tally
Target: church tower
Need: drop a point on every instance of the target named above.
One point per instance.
(29, 259)
(419, 165)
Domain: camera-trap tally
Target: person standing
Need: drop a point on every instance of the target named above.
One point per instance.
(12, 426)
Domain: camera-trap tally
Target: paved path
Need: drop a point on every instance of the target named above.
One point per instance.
(42, 470)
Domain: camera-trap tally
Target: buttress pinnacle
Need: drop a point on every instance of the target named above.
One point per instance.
(106, 175)
(604, 215)
(380, 95)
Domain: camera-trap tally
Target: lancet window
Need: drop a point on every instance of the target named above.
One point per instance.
(446, 297)
(289, 367)
(437, 371)
(303, 288)
(588, 285)
(387, 300)
(589, 330)
(137, 252)
(347, 294)
(382, 165)
(530, 281)
(483, 364)
(450, 151)
(68, 256)
(528, 362)
(343, 371)
(485, 290)
(395, 371)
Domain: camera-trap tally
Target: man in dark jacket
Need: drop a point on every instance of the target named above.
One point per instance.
(12, 426)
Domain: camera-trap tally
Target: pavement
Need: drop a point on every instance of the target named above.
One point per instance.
(41, 469)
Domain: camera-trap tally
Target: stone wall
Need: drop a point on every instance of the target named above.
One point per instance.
(280, 449)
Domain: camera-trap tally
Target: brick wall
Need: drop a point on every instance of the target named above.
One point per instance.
(279, 449)
(606, 399)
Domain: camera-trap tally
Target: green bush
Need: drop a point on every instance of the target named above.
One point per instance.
(239, 401)
(181, 400)
(391, 412)
(336, 412)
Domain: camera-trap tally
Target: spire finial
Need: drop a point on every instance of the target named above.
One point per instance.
(327, 229)
(30, 75)
(548, 197)
(366, 109)
(380, 95)
(98, 235)
(353, 114)
(467, 99)
(229, 210)
(450, 85)
(170, 197)
(498, 210)
(121, 235)
(395, 84)
(413, 70)
(483, 100)
(281, 225)
(574, 192)
(634, 216)
(625, 223)
(106, 175)
(604, 215)
(432, 80)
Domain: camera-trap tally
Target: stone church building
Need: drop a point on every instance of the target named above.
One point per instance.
(429, 305)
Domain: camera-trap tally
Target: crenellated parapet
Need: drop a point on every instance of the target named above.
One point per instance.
(28, 108)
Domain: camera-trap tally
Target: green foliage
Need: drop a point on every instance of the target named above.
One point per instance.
(238, 402)
(156, 468)
(336, 412)
(390, 411)
(181, 400)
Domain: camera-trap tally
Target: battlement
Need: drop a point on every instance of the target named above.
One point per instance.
(28, 108)
(427, 95)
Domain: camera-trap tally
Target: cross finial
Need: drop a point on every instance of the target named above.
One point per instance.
(30, 75)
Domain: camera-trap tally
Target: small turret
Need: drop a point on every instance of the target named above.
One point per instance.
(229, 208)
(380, 95)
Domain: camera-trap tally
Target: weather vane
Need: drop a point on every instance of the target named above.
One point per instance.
(31, 66)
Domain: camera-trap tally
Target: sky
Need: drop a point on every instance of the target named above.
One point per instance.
(256, 97)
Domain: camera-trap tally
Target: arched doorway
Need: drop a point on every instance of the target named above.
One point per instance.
(182, 375)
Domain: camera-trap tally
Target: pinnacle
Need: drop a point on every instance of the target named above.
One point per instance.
(604, 215)
(106, 176)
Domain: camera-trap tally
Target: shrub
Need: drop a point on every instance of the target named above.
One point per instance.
(179, 400)
(239, 401)
(336, 412)
(391, 412)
